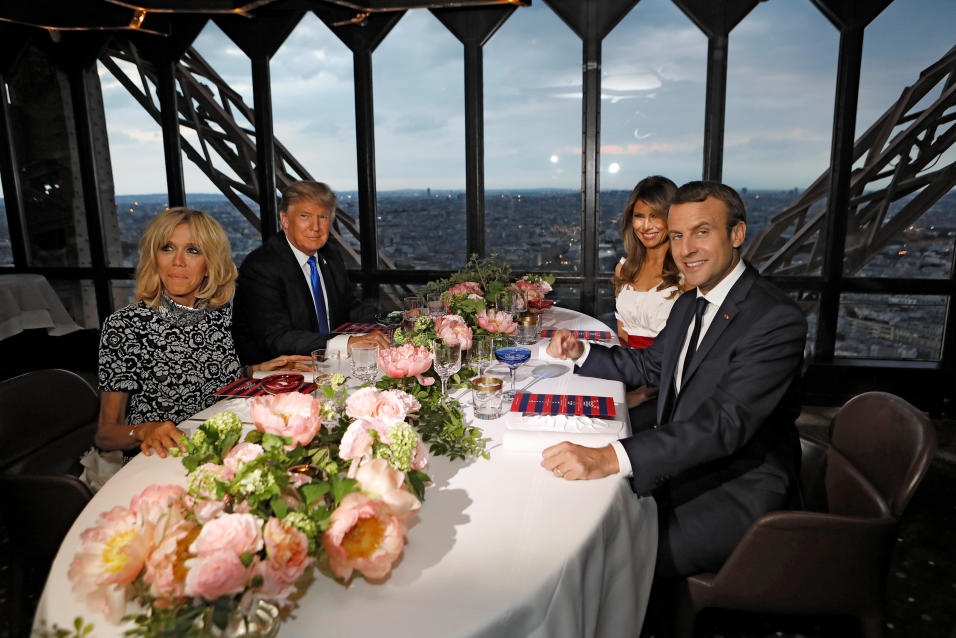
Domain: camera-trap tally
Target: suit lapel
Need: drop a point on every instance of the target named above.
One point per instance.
(725, 315)
(299, 292)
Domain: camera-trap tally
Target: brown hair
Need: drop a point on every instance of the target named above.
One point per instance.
(699, 191)
(317, 192)
(219, 283)
(656, 192)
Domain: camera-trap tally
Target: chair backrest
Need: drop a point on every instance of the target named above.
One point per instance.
(886, 442)
(42, 407)
(36, 514)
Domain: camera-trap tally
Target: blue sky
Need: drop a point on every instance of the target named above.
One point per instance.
(780, 89)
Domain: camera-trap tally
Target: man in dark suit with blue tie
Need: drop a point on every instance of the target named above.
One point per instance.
(293, 290)
(725, 449)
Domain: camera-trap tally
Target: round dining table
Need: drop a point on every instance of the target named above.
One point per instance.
(500, 547)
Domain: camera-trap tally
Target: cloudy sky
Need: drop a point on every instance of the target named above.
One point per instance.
(780, 89)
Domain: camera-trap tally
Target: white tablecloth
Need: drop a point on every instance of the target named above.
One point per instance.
(500, 548)
(28, 301)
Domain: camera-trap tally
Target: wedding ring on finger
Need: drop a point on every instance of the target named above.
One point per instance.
(558, 472)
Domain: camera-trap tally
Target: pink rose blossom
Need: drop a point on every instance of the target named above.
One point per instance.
(291, 414)
(111, 556)
(220, 573)
(452, 329)
(390, 407)
(466, 288)
(241, 454)
(379, 481)
(364, 535)
(287, 550)
(361, 403)
(236, 533)
(498, 322)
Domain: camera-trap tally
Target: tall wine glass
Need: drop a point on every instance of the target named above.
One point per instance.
(434, 304)
(513, 357)
(411, 309)
(505, 302)
(365, 362)
(482, 347)
(447, 361)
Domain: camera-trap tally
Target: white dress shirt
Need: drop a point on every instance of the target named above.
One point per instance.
(714, 299)
(336, 343)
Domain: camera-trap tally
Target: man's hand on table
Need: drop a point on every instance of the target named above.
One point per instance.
(565, 345)
(297, 362)
(576, 462)
(377, 338)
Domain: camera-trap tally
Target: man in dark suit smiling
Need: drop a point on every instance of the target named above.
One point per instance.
(293, 290)
(725, 449)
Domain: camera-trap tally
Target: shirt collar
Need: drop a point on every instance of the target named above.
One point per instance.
(300, 256)
(719, 292)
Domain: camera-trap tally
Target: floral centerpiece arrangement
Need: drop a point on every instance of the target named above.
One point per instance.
(328, 483)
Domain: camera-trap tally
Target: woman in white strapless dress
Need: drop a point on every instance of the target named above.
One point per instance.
(646, 281)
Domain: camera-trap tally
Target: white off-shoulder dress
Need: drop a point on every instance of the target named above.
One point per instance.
(644, 313)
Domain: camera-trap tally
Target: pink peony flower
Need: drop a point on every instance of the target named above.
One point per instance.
(220, 573)
(452, 329)
(241, 454)
(111, 556)
(534, 289)
(166, 562)
(405, 361)
(356, 442)
(287, 550)
(466, 288)
(499, 322)
(420, 458)
(236, 533)
(379, 481)
(160, 505)
(202, 498)
(390, 406)
(364, 535)
(361, 403)
(290, 414)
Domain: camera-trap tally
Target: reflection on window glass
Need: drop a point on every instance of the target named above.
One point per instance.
(6, 251)
(653, 81)
(420, 144)
(44, 139)
(913, 239)
(781, 79)
(123, 292)
(201, 193)
(532, 69)
(891, 326)
(79, 299)
(809, 303)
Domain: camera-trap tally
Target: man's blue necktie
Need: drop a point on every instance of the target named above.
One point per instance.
(318, 297)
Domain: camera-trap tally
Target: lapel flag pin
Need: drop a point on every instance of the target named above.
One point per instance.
(726, 316)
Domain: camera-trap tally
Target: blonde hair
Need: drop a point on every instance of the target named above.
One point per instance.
(315, 192)
(220, 281)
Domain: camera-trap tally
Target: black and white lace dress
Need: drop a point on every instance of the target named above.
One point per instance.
(170, 359)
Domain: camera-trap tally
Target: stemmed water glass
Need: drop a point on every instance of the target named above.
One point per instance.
(505, 302)
(434, 304)
(482, 347)
(365, 362)
(411, 307)
(513, 357)
(447, 361)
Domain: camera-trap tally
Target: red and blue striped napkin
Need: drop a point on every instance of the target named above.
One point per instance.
(574, 404)
(357, 326)
(593, 335)
(246, 387)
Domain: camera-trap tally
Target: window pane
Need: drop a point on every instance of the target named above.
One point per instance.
(201, 192)
(780, 90)
(420, 144)
(123, 291)
(911, 239)
(891, 326)
(79, 299)
(44, 139)
(6, 250)
(532, 80)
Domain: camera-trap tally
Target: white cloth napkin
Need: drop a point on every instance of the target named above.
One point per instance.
(564, 423)
(535, 442)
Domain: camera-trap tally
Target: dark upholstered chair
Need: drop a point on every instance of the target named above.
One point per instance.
(832, 558)
(47, 421)
(36, 512)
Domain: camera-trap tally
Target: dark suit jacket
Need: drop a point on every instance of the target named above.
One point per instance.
(273, 311)
(733, 421)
